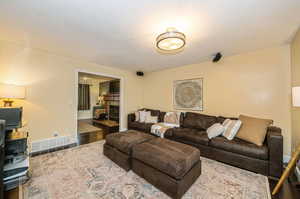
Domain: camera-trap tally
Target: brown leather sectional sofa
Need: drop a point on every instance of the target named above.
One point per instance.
(266, 160)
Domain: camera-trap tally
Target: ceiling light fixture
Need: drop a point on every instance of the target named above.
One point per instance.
(170, 41)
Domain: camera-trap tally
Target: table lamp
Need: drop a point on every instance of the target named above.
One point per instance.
(8, 92)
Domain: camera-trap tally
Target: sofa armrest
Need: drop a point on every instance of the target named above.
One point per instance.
(169, 133)
(130, 118)
(275, 146)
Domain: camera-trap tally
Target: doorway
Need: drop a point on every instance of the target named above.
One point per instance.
(98, 106)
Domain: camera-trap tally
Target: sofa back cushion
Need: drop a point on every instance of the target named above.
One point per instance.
(153, 111)
(161, 116)
(198, 121)
(221, 119)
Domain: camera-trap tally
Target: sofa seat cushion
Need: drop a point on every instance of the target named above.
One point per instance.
(140, 126)
(137, 125)
(172, 158)
(240, 147)
(198, 121)
(191, 135)
(147, 127)
(124, 141)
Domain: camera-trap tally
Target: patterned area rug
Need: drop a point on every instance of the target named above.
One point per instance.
(84, 173)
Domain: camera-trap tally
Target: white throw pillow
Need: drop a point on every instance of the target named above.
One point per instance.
(151, 119)
(232, 128)
(142, 116)
(215, 130)
(137, 116)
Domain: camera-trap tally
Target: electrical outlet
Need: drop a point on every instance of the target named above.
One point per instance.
(55, 134)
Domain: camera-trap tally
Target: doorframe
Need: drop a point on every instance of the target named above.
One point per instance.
(121, 104)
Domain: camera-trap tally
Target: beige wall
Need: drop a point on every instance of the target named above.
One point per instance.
(50, 79)
(256, 84)
(295, 55)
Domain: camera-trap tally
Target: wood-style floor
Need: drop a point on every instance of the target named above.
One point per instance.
(12, 194)
(88, 137)
(287, 191)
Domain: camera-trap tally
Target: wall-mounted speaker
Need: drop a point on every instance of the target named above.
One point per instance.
(217, 57)
(140, 73)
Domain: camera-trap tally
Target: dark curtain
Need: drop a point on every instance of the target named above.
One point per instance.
(84, 97)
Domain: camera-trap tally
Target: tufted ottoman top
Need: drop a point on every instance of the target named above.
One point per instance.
(172, 158)
(124, 141)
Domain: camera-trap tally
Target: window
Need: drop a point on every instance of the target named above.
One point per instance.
(84, 97)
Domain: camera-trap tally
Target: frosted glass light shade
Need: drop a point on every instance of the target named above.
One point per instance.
(296, 96)
(12, 91)
(170, 40)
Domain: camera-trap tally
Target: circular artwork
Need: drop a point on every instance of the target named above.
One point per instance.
(188, 94)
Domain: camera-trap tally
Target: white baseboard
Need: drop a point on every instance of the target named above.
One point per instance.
(123, 129)
(50, 143)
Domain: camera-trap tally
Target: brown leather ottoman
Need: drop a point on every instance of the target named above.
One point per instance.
(118, 146)
(170, 166)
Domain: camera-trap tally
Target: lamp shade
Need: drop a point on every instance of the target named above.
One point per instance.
(296, 96)
(12, 91)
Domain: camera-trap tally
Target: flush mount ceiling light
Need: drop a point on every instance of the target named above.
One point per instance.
(170, 41)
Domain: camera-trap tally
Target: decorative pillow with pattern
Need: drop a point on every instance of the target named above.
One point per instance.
(231, 128)
(226, 123)
(172, 118)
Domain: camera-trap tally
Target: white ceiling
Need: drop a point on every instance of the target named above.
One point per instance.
(121, 33)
